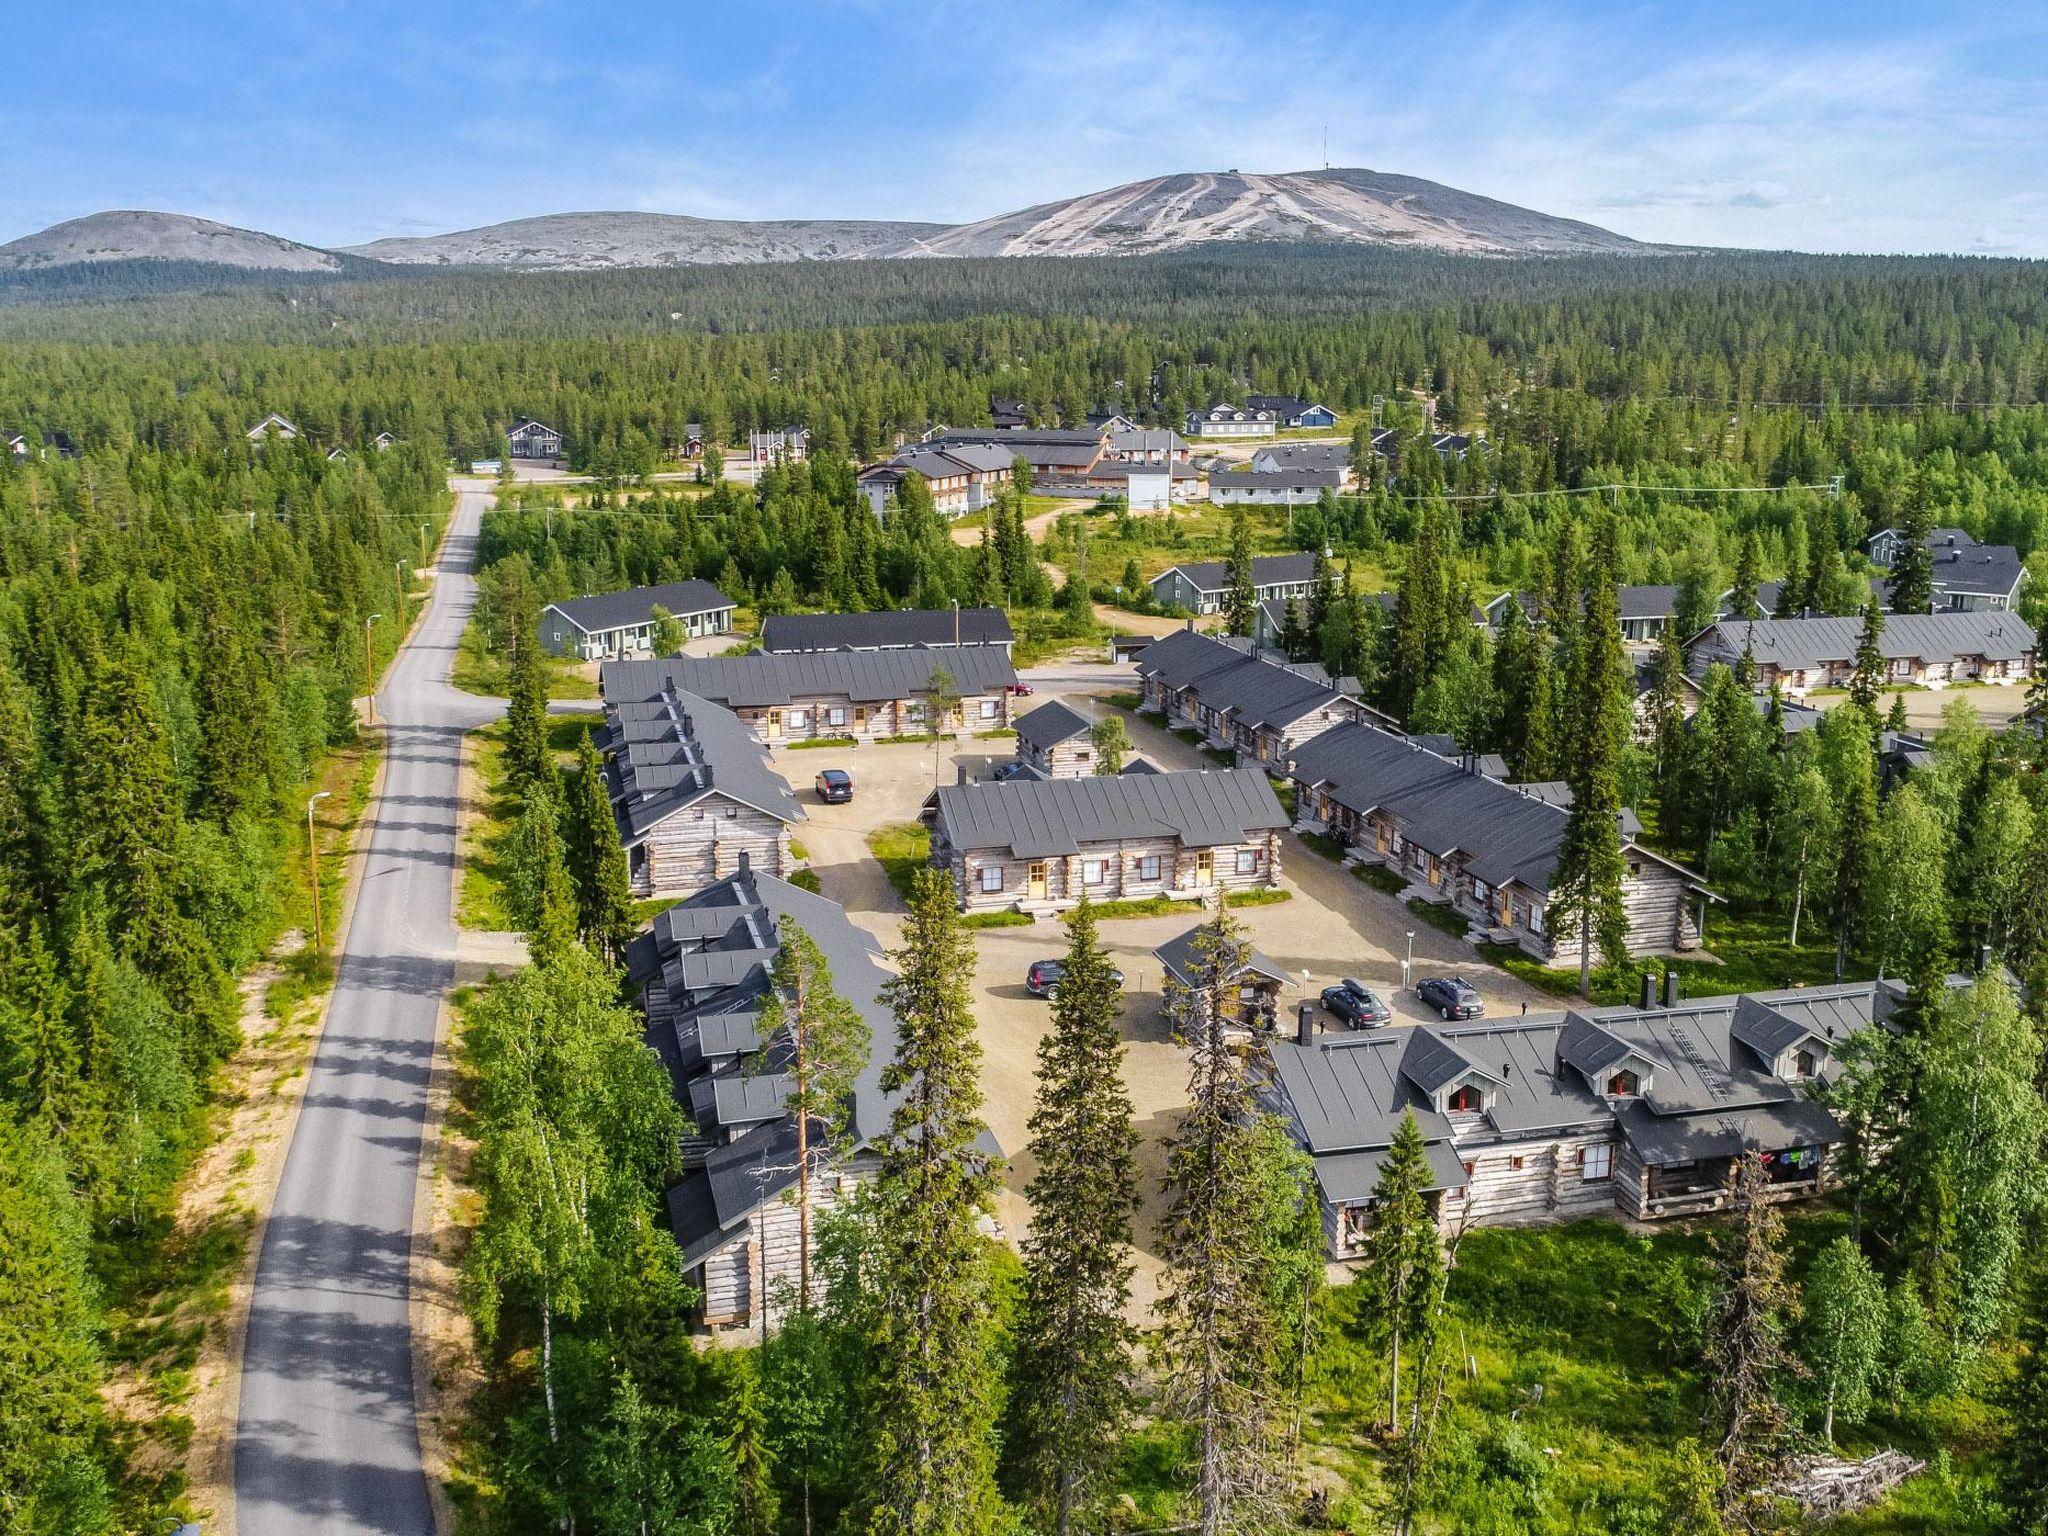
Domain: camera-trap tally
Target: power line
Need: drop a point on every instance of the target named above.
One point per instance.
(1832, 486)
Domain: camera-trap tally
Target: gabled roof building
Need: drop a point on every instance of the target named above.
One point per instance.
(610, 625)
(1245, 700)
(1202, 586)
(1640, 1109)
(1056, 741)
(885, 629)
(1484, 848)
(1928, 650)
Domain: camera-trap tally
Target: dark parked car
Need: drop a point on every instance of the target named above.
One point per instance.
(1356, 1004)
(1451, 997)
(1011, 770)
(1021, 690)
(1043, 979)
(835, 786)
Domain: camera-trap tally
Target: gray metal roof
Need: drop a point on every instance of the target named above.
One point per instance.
(1431, 1063)
(1350, 1177)
(1811, 643)
(1060, 816)
(663, 755)
(1305, 456)
(1229, 675)
(1179, 956)
(1346, 1092)
(767, 681)
(622, 610)
(1767, 1031)
(790, 632)
(1298, 478)
(1764, 1127)
(1267, 571)
(1052, 723)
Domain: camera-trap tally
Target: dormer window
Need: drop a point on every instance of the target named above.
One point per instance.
(1805, 1063)
(1466, 1099)
(1624, 1085)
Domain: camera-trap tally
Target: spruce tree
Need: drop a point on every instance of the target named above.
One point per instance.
(528, 760)
(1747, 1363)
(1587, 883)
(1070, 1391)
(1403, 1257)
(931, 1443)
(1241, 602)
(757, 1510)
(1749, 562)
(1868, 678)
(1912, 581)
(1222, 1333)
(597, 857)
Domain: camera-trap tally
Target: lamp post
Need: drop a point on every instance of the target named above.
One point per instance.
(398, 584)
(313, 861)
(1408, 962)
(369, 670)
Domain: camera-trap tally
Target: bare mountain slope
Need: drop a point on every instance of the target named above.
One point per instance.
(596, 240)
(1366, 207)
(128, 235)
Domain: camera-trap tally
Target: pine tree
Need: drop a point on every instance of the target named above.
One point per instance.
(1404, 1259)
(1241, 602)
(597, 857)
(1667, 715)
(931, 1468)
(1587, 884)
(1070, 1394)
(1749, 562)
(1856, 829)
(827, 1044)
(528, 760)
(1534, 757)
(1511, 667)
(1221, 1329)
(1747, 1362)
(758, 1510)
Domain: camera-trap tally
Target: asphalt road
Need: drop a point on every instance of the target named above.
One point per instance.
(327, 1440)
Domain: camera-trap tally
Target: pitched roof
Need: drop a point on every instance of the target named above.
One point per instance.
(1052, 723)
(1989, 570)
(790, 632)
(1230, 675)
(620, 610)
(662, 755)
(1301, 478)
(1806, 644)
(1060, 816)
(1183, 961)
(1267, 571)
(1305, 456)
(769, 681)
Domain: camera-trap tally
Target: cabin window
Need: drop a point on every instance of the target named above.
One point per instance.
(1514, 1165)
(988, 709)
(1091, 871)
(1465, 1099)
(1247, 861)
(1623, 1085)
(991, 877)
(732, 813)
(1535, 919)
(1635, 868)
(1805, 1064)
(799, 719)
(1148, 866)
(1596, 1163)
(1081, 756)
(836, 715)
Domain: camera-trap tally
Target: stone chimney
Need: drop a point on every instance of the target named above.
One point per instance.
(1305, 1024)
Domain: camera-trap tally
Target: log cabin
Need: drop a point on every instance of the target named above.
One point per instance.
(1056, 741)
(1484, 848)
(1252, 702)
(693, 793)
(1926, 650)
(1639, 1109)
(1037, 846)
(1254, 979)
(867, 695)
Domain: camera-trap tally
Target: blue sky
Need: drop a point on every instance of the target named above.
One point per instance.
(1816, 124)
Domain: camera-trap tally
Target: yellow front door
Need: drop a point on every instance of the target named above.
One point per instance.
(860, 717)
(1034, 880)
(1205, 867)
(774, 722)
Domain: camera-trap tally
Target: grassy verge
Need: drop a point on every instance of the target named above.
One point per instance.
(1322, 843)
(1219, 755)
(484, 901)
(999, 734)
(806, 879)
(645, 912)
(1750, 953)
(1265, 897)
(902, 849)
(348, 778)
(927, 738)
(478, 671)
(1142, 906)
(1381, 878)
(1444, 919)
(822, 741)
(997, 920)
(1129, 701)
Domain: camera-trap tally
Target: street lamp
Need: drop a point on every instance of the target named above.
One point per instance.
(369, 670)
(313, 860)
(1408, 962)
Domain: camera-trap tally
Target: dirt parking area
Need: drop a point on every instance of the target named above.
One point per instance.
(1332, 926)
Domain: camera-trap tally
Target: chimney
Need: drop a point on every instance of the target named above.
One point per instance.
(1983, 958)
(961, 771)
(746, 862)
(1671, 989)
(1305, 1024)
(1649, 998)
(1191, 625)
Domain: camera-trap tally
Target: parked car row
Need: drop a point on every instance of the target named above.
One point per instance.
(1349, 1000)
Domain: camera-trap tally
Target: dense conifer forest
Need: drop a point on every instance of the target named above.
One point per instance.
(182, 627)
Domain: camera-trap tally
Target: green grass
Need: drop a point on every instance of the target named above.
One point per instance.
(1129, 701)
(1142, 906)
(1284, 792)
(1324, 844)
(478, 671)
(999, 734)
(902, 849)
(806, 879)
(1188, 734)
(1444, 919)
(1220, 755)
(822, 741)
(997, 920)
(484, 900)
(899, 741)
(646, 911)
(1381, 878)
(1267, 896)
(1750, 947)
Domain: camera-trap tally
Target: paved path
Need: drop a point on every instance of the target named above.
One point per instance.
(327, 1441)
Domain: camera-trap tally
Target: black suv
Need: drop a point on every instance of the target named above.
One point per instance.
(1356, 1004)
(1451, 997)
(1043, 978)
(835, 786)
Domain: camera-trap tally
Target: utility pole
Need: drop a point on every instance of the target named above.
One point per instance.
(369, 670)
(313, 862)
(398, 577)
(423, 546)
